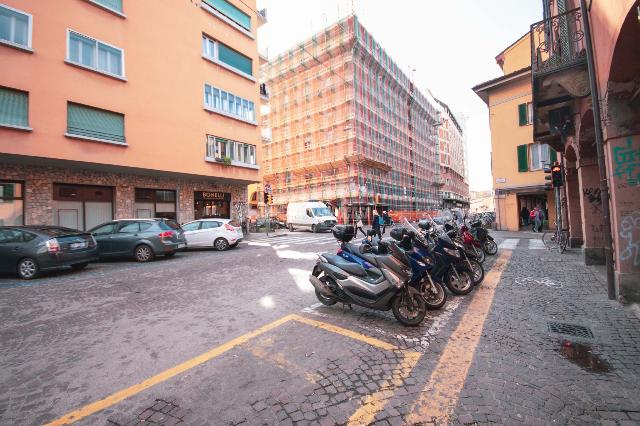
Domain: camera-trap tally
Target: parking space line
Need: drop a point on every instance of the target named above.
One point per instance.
(440, 395)
(112, 399)
(345, 332)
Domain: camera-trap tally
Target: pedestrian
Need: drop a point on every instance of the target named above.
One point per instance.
(385, 221)
(542, 215)
(359, 224)
(524, 214)
(532, 219)
(377, 222)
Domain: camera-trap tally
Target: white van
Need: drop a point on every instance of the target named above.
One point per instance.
(312, 215)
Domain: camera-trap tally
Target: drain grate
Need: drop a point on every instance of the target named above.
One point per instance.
(570, 329)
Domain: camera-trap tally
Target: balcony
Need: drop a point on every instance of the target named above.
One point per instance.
(559, 75)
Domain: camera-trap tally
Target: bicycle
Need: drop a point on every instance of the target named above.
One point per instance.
(556, 240)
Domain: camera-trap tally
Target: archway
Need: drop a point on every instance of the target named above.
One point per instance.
(574, 213)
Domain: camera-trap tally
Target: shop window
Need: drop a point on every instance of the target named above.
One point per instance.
(155, 203)
(11, 203)
(81, 206)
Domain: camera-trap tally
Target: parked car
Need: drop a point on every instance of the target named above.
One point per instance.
(217, 233)
(28, 250)
(142, 239)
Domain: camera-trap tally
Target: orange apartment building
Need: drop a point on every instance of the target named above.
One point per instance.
(346, 126)
(127, 108)
(453, 170)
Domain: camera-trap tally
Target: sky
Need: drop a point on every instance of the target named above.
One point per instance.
(452, 45)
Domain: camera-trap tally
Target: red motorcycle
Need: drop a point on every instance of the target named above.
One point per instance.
(472, 246)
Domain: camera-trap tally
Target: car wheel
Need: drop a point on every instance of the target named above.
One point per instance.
(79, 266)
(314, 229)
(290, 228)
(221, 244)
(28, 268)
(143, 253)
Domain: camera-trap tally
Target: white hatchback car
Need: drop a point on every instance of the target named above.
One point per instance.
(217, 233)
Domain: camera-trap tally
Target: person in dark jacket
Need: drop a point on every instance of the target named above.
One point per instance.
(524, 214)
(376, 224)
(386, 220)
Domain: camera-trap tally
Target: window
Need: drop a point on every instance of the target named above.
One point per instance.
(94, 54)
(11, 203)
(193, 226)
(129, 228)
(231, 12)
(155, 203)
(210, 224)
(217, 100)
(539, 156)
(238, 152)
(95, 124)
(14, 108)
(15, 27)
(224, 55)
(114, 5)
(104, 229)
(525, 114)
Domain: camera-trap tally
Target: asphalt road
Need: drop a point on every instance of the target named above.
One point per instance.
(236, 337)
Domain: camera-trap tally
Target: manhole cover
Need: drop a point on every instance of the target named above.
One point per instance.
(570, 329)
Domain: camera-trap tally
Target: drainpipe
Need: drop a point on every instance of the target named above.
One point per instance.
(604, 186)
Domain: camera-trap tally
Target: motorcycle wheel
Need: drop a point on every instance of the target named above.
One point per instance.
(435, 296)
(478, 271)
(461, 284)
(490, 247)
(327, 301)
(409, 311)
(478, 254)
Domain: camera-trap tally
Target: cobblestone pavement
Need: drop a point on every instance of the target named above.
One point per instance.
(239, 338)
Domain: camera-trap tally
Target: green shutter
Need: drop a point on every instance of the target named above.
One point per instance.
(14, 107)
(553, 155)
(523, 163)
(234, 59)
(94, 123)
(522, 114)
(111, 4)
(231, 12)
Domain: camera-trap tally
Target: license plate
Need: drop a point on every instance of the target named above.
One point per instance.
(80, 245)
(181, 246)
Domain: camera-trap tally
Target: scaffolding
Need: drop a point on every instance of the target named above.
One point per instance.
(349, 128)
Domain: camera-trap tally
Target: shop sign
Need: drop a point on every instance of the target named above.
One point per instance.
(212, 195)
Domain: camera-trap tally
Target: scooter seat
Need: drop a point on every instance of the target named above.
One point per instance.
(345, 265)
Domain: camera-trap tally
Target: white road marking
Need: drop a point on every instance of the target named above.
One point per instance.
(535, 244)
(509, 244)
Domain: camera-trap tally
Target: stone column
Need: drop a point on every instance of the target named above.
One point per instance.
(574, 214)
(591, 210)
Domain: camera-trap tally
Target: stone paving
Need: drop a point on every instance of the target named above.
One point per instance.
(520, 371)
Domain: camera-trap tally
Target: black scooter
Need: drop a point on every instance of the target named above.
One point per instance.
(381, 284)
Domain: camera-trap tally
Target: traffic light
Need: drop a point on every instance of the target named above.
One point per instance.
(268, 198)
(553, 174)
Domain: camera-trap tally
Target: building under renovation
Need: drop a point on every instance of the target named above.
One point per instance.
(348, 127)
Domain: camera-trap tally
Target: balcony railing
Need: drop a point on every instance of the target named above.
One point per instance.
(557, 43)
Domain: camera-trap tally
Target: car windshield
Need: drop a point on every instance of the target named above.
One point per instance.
(321, 211)
(168, 224)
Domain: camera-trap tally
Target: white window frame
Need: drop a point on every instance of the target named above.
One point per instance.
(232, 109)
(29, 30)
(97, 43)
(214, 58)
(234, 150)
(539, 148)
(228, 21)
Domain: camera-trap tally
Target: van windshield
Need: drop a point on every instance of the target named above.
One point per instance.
(321, 211)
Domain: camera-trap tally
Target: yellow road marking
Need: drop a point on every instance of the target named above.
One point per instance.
(345, 332)
(263, 349)
(374, 403)
(94, 407)
(440, 396)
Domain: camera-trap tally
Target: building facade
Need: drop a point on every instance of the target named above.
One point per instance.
(109, 109)
(563, 114)
(517, 161)
(348, 127)
(453, 168)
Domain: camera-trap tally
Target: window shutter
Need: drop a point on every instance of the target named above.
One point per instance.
(553, 155)
(95, 123)
(234, 59)
(111, 4)
(14, 107)
(231, 12)
(522, 114)
(523, 163)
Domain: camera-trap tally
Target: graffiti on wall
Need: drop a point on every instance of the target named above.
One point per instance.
(626, 162)
(630, 238)
(592, 195)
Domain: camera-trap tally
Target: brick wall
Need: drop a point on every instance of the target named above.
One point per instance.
(39, 190)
